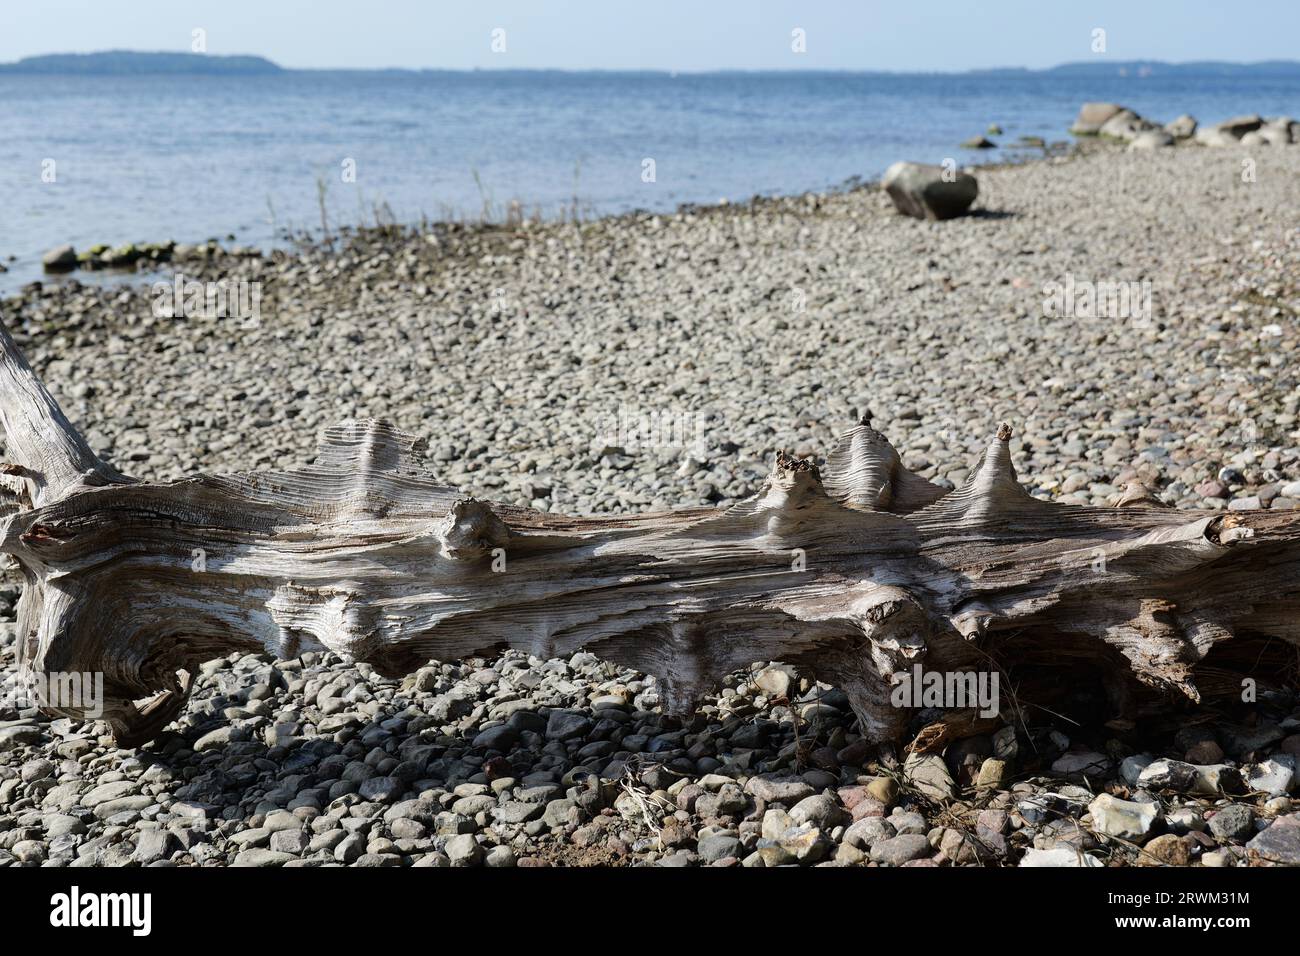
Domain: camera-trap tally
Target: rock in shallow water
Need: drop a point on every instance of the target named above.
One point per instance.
(1093, 116)
(60, 259)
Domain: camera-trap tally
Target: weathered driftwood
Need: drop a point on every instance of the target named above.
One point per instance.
(858, 574)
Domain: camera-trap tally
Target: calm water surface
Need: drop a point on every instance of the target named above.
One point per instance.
(151, 158)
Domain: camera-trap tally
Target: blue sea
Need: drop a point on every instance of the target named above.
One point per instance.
(151, 158)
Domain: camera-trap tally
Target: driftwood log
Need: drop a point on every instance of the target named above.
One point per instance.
(859, 571)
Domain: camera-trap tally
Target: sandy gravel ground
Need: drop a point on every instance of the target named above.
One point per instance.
(646, 362)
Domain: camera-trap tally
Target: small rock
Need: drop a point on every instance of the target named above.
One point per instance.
(718, 847)
(804, 845)
(1167, 850)
(499, 857)
(962, 848)
(60, 259)
(1279, 842)
(992, 774)
(898, 850)
(787, 790)
(908, 821)
(884, 789)
(1275, 776)
(1184, 127)
(153, 845)
(289, 841)
(1204, 752)
(1126, 819)
(1184, 820)
(1130, 768)
(1093, 116)
(1234, 823)
(22, 735)
(1218, 778)
(863, 833)
(214, 739)
(1151, 139)
(847, 855)
(1168, 775)
(773, 681)
(820, 810)
(929, 774)
(1005, 745)
(1060, 856)
(381, 789)
(567, 725)
(259, 857)
(463, 850)
(501, 737)
(1081, 763)
(350, 849)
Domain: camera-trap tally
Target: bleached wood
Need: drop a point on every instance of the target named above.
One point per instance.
(857, 576)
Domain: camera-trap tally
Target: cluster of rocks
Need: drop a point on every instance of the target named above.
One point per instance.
(1021, 142)
(526, 356)
(1120, 123)
(134, 256)
(927, 191)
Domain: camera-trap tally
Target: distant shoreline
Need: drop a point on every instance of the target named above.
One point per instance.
(134, 63)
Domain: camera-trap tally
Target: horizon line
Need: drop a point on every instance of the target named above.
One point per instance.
(696, 71)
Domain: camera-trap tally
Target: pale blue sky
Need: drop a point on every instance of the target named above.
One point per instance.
(662, 34)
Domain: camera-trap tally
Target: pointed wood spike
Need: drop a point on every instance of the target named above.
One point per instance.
(795, 478)
(992, 487)
(1137, 495)
(864, 472)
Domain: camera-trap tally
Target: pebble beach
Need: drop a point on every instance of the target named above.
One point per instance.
(655, 361)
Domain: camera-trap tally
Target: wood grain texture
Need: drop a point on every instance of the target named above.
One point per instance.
(857, 575)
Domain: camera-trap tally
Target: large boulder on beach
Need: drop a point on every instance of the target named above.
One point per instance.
(1272, 136)
(929, 192)
(1281, 131)
(1125, 126)
(60, 259)
(1092, 116)
(1151, 139)
(1182, 128)
(1213, 136)
(1239, 126)
(1240, 130)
